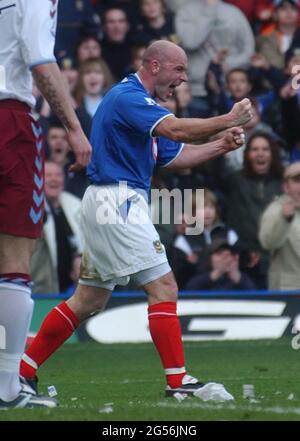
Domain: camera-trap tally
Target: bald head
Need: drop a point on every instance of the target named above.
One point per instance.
(164, 68)
(164, 51)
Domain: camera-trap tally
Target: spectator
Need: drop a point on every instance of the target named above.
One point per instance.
(274, 44)
(157, 23)
(57, 143)
(286, 84)
(52, 259)
(74, 275)
(249, 192)
(204, 28)
(224, 273)
(237, 87)
(190, 251)
(59, 152)
(234, 161)
(43, 110)
(88, 47)
(174, 5)
(255, 10)
(290, 105)
(280, 232)
(93, 80)
(70, 75)
(116, 44)
(75, 19)
(183, 95)
(136, 57)
(131, 8)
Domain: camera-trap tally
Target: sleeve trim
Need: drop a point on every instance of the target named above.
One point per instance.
(37, 63)
(173, 159)
(157, 122)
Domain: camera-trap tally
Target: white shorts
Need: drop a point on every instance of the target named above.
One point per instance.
(119, 238)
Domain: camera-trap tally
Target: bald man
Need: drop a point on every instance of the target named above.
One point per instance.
(131, 134)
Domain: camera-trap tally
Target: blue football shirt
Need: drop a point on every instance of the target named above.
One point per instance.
(123, 146)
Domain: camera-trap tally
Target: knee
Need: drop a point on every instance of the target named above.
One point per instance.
(86, 302)
(167, 290)
(171, 288)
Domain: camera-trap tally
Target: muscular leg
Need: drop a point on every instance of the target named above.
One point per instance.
(16, 308)
(87, 300)
(163, 289)
(15, 254)
(165, 328)
(60, 324)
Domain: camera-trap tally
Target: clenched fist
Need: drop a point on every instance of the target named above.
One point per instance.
(233, 138)
(241, 113)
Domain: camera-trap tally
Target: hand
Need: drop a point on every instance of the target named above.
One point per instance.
(221, 56)
(233, 138)
(192, 258)
(241, 113)
(288, 210)
(219, 265)
(287, 91)
(81, 148)
(212, 83)
(254, 259)
(233, 270)
(260, 61)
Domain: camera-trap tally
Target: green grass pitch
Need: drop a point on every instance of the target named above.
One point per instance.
(89, 375)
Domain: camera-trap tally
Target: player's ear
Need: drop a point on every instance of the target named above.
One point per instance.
(155, 66)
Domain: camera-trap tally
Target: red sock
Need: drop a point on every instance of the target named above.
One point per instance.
(57, 327)
(165, 331)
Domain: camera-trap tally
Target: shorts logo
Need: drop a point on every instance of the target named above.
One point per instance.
(158, 246)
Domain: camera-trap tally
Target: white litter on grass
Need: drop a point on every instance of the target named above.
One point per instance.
(107, 408)
(180, 397)
(278, 392)
(291, 397)
(213, 392)
(74, 399)
(234, 407)
(52, 392)
(248, 391)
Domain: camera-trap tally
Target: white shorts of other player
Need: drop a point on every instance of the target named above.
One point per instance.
(120, 239)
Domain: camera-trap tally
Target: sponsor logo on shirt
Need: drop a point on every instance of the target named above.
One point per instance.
(151, 102)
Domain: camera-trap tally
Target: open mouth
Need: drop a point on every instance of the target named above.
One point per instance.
(261, 164)
(58, 151)
(172, 89)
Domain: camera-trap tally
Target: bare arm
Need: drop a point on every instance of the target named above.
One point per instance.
(195, 129)
(192, 156)
(51, 84)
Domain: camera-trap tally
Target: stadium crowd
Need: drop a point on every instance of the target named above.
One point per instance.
(236, 49)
